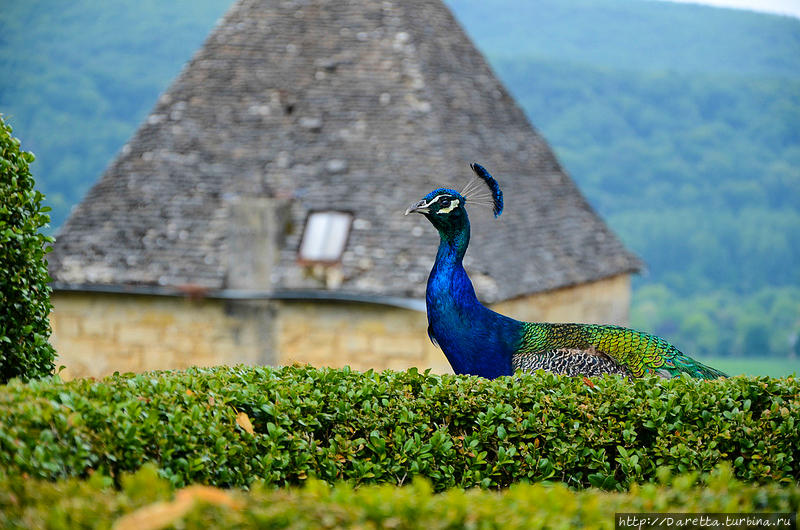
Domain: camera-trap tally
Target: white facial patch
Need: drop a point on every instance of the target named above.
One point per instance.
(453, 205)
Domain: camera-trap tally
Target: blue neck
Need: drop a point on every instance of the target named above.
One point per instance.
(475, 339)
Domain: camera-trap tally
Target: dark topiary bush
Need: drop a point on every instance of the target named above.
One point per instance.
(24, 293)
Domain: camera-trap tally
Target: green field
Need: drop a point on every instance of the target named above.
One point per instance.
(755, 366)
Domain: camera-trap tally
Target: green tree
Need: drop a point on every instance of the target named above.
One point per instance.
(24, 292)
(756, 340)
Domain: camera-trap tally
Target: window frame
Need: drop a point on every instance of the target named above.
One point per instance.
(329, 262)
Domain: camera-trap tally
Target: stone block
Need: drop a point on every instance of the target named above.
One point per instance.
(352, 343)
(139, 334)
(99, 327)
(402, 346)
(66, 324)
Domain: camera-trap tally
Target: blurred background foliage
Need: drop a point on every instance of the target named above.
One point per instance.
(680, 123)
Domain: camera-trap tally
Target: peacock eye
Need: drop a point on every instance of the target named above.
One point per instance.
(445, 202)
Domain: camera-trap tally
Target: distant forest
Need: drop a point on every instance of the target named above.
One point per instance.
(680, 123)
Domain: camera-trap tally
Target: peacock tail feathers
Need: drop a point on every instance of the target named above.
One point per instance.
(639, 352)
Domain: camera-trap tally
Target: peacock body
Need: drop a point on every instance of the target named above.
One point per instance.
(479, 341)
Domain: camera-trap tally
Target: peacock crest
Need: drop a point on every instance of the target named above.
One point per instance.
(474, 192)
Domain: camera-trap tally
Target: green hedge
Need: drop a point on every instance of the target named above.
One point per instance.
(389, 427)
(147, 501)
(24, 292)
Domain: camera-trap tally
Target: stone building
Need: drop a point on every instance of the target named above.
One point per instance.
(256, 214)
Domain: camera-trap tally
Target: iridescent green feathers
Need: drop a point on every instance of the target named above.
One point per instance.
(639, 352)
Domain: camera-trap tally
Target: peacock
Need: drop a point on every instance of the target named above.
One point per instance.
(479, 341)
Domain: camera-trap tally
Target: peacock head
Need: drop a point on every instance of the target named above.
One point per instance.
(445, 208)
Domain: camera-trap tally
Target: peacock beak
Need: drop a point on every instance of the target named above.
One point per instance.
(420, 207)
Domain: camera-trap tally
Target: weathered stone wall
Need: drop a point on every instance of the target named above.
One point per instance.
(359, 335)
(606, 301)
(96, 334)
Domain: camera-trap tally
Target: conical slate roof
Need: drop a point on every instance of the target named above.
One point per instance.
(295, 106)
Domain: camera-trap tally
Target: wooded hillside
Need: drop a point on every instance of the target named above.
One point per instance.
(679, 123)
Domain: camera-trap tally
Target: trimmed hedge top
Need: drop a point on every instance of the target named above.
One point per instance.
(230, 426)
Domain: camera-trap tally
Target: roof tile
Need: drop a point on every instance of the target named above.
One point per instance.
(356, 106)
